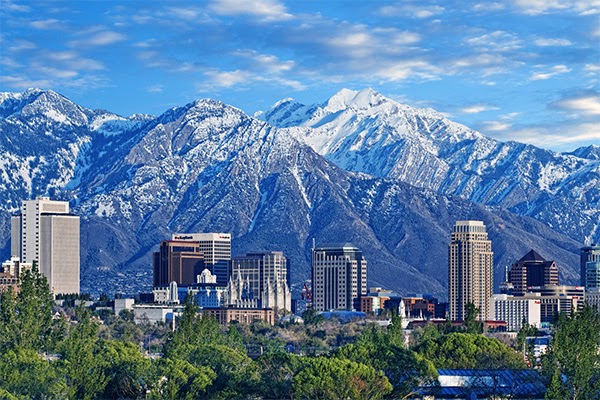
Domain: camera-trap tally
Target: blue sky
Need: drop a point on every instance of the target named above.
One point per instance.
(523, 70)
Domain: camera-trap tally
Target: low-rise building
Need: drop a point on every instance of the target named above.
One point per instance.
(225, 315)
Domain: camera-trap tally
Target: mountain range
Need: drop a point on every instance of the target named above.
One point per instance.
(359, 168)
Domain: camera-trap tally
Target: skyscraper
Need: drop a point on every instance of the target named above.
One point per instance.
(532, 270)
(470, 269)
(177, 261)
(216, 248)
(265, 277)
(590, 266)
(47, 233)
(339, 277)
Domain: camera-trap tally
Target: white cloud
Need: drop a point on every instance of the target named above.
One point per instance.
(103, 38)
(561, 138)
(592, 67)
(21, 45)
(420, 12)
(546, 42)
(587, 104)
(190, 14)
(158, 88)
(537, 7)
(496, 126)
(487, 7)
(227, 78)
(477, 108)
(556, 70)
(496, 41)
(46, 24)
(11, 6)
(266, 10)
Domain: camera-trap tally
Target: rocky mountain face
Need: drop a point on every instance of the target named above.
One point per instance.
(367, 132)
(209, 167)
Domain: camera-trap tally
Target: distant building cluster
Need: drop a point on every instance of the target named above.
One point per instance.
(257, 285)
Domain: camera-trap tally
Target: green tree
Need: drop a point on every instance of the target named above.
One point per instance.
(405, 369)
(572, 363)
(277, 371)
(325, 378)
(127, 371)
(26, 317)
(472, 325)
(179, 379)
(460, 350)
(83, 369)
(24, 374)
(237, 375)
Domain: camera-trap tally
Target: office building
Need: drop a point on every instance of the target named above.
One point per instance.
(516, 310)
(262, 277)
(470, 269)
(177, 261)
(590, 266)
(592, 297)
(45, 232)
(216, 248)
(339, 277)
(532, 270)
(559, 298)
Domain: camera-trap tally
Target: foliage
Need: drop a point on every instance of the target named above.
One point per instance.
(472, 325)
(26, 317)
(572, 363)
(25, 374)
(469, 351)
(85, 373)
(384, 351)
(277, 371)
(179, 379)
(327, 378)
(236, 373)
(311, 317)
(127, 371)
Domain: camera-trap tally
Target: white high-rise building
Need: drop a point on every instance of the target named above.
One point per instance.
(47, 233)
(216, 248)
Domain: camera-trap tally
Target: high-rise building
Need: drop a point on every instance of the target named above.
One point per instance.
(263, 277)
(470, 269)
(216, 248)
(590, 266)
(177, 261)
(47, 233)
(339, 277)
(532, 270)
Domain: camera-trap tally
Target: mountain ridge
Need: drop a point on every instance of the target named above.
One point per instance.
(207, 166)
(366, 132)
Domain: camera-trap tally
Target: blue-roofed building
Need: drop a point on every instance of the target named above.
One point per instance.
(485, 384)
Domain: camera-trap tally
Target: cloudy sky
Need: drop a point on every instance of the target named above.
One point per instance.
(523, 70)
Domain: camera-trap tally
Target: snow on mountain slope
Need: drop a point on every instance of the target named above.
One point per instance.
(366, 132)
(207, 166)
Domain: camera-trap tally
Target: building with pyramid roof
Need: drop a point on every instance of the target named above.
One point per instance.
(532, 270)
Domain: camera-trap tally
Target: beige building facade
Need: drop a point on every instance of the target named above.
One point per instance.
(470, 269)
(47, 233)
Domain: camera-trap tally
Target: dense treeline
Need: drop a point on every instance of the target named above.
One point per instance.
(50, 356)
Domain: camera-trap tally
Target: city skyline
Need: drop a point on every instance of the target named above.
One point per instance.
(514, 70)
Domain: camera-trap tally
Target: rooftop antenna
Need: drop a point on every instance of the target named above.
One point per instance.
(314, 244)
